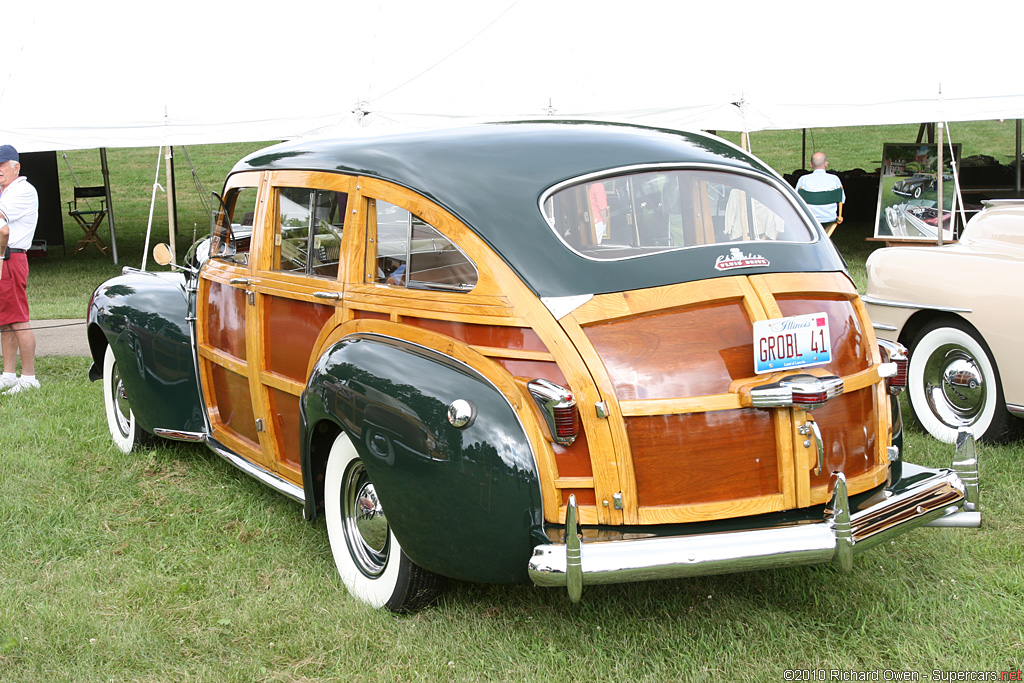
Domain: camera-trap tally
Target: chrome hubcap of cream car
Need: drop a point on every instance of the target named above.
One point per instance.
(366, 527)
(954, 386)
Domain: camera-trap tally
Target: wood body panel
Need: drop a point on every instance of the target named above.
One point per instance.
(670, 367)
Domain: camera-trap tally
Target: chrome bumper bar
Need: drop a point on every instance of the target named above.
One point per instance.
(945, 498)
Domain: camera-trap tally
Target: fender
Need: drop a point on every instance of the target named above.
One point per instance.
(144, 318)
(464, 503)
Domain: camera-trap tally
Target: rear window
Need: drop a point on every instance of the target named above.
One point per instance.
(641, 213)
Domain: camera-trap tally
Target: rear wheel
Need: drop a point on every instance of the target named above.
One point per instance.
(953, 384)
(124, 430)
(370, 560)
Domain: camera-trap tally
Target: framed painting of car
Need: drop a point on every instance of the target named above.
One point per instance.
(908, 203)
(561, 352)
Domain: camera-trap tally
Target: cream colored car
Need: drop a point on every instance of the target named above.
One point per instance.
(959, 308)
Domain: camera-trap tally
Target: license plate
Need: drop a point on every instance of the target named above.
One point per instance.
(793, 342)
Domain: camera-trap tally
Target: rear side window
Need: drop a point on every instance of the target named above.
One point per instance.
(413, 254)
(637, 214)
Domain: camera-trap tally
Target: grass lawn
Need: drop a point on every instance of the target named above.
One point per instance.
(170, 565)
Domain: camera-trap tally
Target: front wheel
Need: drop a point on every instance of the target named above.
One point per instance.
(952, 384)
(124, 430)
(370, 560)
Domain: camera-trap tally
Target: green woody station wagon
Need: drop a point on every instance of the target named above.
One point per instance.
(565, 353)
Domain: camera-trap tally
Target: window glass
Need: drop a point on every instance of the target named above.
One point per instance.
(413, 254)
(232, 224)
(310, 224)
(645, 213)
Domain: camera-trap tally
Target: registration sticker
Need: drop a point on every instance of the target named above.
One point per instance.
(793, 342)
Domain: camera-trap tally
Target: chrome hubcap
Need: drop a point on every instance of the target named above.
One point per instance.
(122, 411)
(954, 386)
(366, 527)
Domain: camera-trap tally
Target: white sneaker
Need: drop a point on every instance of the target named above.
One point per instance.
(21, 385)
(7, 382)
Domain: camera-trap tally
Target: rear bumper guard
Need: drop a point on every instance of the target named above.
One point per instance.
(943, 498)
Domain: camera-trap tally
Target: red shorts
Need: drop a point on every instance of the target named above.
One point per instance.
(13, 298)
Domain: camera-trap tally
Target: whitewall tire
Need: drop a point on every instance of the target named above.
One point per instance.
(369, 558)
(124, 430)
(952, 384)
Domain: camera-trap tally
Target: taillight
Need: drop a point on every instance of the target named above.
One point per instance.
(559, 408)
(894, 365)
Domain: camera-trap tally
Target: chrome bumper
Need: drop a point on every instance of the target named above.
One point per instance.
(945, 498)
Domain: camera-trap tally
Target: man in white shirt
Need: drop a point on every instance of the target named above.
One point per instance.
(19, 212)
(819, 180)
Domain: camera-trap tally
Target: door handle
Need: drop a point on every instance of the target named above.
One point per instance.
(327, 295)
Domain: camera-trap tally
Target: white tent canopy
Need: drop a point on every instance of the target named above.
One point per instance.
(112, 74)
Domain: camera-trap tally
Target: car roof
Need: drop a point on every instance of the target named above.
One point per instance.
(492, 177)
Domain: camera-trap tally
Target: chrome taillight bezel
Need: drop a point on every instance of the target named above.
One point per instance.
(895, 356)
(558, 406)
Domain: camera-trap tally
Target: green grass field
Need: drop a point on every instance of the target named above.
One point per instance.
(170, 565)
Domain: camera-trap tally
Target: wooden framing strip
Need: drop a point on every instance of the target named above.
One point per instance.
(285, 384)
(574, 483)
(702, 512)
(223, 359)
(678, 406)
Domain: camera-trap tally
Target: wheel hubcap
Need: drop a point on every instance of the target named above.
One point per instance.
(122, 411)
(366, 527)
(954, 386)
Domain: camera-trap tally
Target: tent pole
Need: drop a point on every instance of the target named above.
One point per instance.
(172, 218)
(1018, 157)
(938, 189)
(803, 149)
(110, 204)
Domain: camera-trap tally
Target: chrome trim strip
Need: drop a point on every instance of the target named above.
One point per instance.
(884, 328)
(837, 538)
(179, 435)
(269, 478)
(901, 304)
(1015, 409)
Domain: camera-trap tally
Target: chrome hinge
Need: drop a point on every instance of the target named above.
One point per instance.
(259, 424)
(251, 296)
(617, 500)
(602, 409)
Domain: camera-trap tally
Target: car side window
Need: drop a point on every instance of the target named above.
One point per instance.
(413, 254)
(307, 239)
(232, 225)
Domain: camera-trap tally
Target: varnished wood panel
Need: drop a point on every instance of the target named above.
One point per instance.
(848, 430)
(285, 411)
(850, 350)
(498, 336)
(693, 351)
(704, 457)
(225, 319)
(291, 327)
(234, 402)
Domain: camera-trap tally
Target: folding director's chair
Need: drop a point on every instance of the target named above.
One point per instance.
(89, 217)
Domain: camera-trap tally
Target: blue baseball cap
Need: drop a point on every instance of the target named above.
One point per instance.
(8, 153)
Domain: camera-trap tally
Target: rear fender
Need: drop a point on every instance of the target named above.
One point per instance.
(464, 503)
